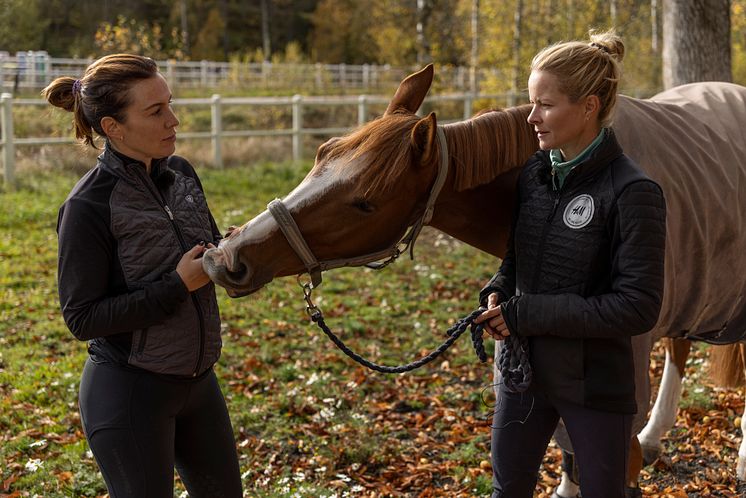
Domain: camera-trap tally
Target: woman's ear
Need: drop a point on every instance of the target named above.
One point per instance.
(592, 106)
(111, 127)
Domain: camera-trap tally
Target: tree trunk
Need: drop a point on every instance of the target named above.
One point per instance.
(696, 41)
(473, 80)
(424, 9)
(517, 23)
(184, 27)
(654, 26)
(266, 46)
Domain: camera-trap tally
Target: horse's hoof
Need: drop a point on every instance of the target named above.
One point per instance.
(741, 469)
(650, 454)
(633, 493)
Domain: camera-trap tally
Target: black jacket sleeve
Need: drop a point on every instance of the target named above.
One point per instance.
(87, 255)
(633, 304)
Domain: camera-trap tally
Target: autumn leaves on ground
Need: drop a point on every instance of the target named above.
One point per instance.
(309, 422)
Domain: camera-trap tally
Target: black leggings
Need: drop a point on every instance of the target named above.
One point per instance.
(522, 426)
(140, 425)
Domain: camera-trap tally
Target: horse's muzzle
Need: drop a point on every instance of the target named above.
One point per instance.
(236, 281)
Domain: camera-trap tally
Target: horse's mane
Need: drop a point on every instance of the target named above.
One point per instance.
(490, 144)
(386, 141)
(480, 148)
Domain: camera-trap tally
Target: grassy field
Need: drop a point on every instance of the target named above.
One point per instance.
(308, 421)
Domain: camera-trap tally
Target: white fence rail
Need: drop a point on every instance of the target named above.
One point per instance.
(217, 134)
(35, 69)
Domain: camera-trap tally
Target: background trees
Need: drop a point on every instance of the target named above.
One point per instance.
(398, 32)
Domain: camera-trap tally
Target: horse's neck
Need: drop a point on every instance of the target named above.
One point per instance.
(486, 154)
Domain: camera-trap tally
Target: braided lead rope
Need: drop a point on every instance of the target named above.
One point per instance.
(514, 364)
(453, 334)
(513, 361)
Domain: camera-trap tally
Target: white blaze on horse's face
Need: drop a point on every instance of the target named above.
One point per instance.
(317, 199)
(259, 229)
(333, 175)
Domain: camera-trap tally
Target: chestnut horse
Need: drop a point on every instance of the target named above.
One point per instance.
(368, 187)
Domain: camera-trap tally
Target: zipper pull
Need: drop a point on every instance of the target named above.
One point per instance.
(168, 212)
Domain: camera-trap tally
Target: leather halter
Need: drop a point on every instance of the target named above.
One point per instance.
(292, 233)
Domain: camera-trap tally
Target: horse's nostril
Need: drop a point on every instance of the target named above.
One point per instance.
(239, 274)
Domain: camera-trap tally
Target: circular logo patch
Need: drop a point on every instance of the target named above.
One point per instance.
(189, 198)
(579, 211)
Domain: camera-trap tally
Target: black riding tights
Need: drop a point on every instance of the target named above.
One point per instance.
(141, 425)
(522, 426)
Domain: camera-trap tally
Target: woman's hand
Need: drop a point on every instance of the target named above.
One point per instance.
(190, 267)
(493, 320)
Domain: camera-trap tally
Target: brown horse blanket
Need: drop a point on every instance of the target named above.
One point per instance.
(692, 141)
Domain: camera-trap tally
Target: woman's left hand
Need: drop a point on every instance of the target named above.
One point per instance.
(494, 323)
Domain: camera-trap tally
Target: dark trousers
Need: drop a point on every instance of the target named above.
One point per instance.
(141, 425)
(521, 429)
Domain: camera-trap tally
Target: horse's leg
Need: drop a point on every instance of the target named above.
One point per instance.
(642, 346)
(741, 468)
(663, 416)
(569, 486)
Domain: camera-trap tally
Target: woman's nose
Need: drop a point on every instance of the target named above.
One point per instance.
(174, 122)
(533, 116)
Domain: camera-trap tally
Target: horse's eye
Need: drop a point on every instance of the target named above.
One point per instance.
(363, 205)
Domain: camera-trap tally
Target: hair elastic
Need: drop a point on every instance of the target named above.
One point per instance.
(76, 87)
(600, 47)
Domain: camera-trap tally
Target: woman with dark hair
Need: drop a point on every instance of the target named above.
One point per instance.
(130, 278)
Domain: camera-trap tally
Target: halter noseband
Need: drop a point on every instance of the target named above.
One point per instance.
(292, 233)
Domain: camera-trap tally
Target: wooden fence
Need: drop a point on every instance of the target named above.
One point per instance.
(296, 129)
(35, 69)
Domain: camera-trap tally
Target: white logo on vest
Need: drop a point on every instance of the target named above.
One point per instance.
(189, 198)
(579, 212)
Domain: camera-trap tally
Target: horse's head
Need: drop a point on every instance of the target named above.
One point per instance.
(362, 193)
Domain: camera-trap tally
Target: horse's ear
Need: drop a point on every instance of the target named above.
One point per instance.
(424, 136)
(412, 91)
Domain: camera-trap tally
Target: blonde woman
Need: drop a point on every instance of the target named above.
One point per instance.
(582, 274)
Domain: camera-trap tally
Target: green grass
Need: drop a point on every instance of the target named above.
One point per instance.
(308, 421)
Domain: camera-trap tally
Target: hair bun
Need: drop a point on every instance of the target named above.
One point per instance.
(609, 42)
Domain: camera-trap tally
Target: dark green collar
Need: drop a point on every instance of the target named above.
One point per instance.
(561, 169)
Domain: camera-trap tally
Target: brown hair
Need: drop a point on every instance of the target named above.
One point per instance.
(584, 69)
(102, 91)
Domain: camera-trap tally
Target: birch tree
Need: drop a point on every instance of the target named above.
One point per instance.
(696, 41)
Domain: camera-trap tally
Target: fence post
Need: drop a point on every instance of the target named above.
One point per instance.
(297, 127)
(203, 72)
(318, 80)
(217, 130)
(468, 105)
(366, 76)
(9, 153)
(362, 109)
(343, 75)
(171, 73)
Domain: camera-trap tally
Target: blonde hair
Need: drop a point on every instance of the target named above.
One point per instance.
(102, 91)
(586, 68)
